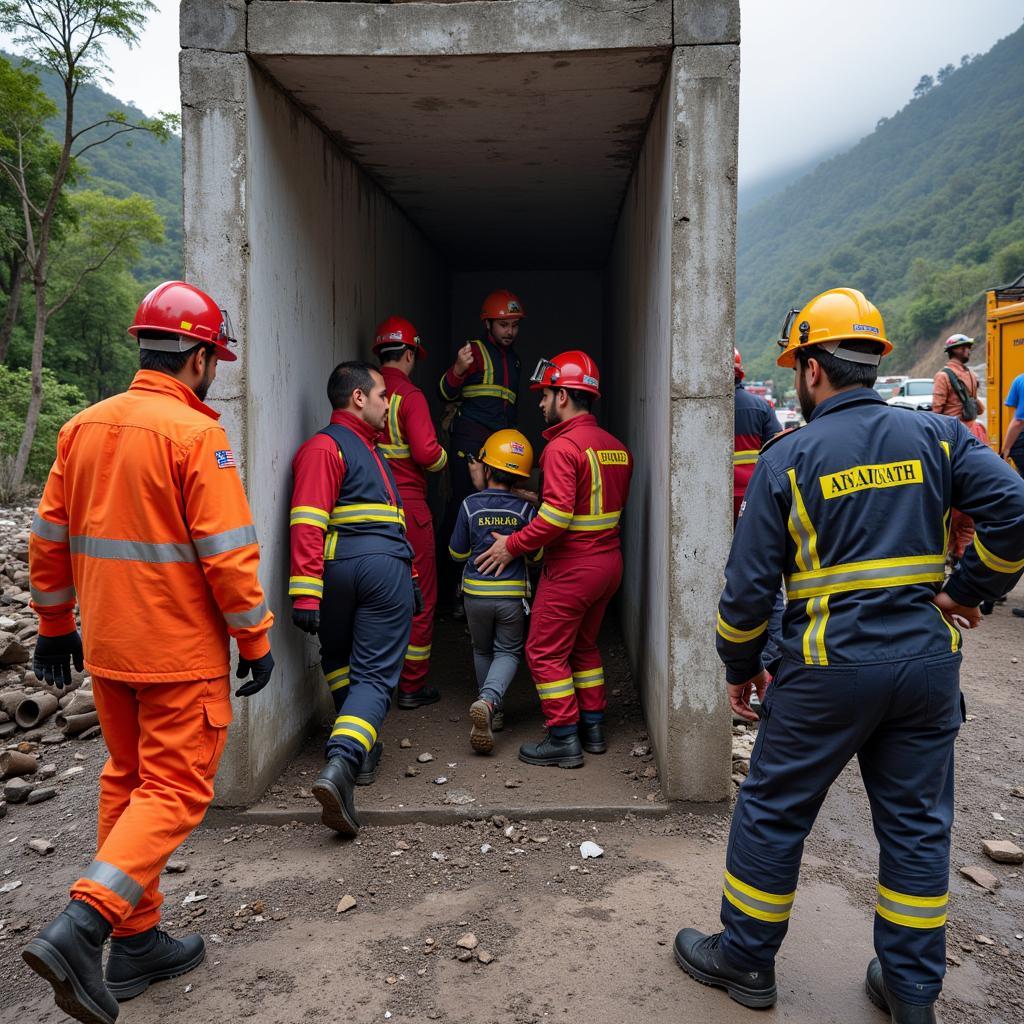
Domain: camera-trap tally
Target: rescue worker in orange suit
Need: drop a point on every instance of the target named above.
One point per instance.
(352, 579)
(585, 476)
(851, 512)
(411, 448)
(755, 425)
(484, 381)
(144, 520)
(955, 393)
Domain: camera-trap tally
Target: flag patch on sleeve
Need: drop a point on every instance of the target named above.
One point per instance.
(226, 459)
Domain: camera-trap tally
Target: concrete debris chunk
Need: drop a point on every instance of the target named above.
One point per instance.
(346, 903)
(984, 940)
(70, 773)
(484, 957)
(1003, 851)
(1018, 792)
(467, 941)
(405, 743)
(41, 846)
(37, 796)
(193, 897)
(175, 867)
(10, 886)
(590, 849)
(980, 876)
(439, 857)
(458, 797)
(440, 780)
(425, 757)
(465, 955)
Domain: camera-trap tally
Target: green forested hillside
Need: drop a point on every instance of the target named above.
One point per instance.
(923, 215)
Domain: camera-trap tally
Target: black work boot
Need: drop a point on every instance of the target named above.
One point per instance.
(900, 1012)
(702, 959)
(563, 751)
(481, 735)
(421, 698)
(592, 737)
(137, 960)
(333, 789)
(368, 773)
(68, 953)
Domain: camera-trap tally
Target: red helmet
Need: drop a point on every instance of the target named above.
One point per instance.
(502, 305)
(573, 369)
(737, 360)
(180, 309)
(396, 331)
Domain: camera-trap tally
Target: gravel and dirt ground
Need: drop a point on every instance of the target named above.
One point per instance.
(571, 940)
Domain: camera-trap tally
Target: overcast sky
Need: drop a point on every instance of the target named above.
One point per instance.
(816, 73)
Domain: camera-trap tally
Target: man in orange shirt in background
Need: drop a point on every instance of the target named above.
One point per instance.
(144, 518)
(955, 393)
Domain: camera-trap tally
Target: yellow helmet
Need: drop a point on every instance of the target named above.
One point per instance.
(508, 450)
(840, 314)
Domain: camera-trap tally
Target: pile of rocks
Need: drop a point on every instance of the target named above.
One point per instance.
(33, 716)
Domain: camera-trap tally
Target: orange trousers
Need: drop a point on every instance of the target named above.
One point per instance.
(165, 741)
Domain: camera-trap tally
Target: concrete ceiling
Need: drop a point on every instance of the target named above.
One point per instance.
(502, 160)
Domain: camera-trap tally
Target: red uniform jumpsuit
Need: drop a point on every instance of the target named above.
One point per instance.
(586, 475)
(411, 448)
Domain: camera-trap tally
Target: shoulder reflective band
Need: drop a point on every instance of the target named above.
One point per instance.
(874, 574)
(49, 531)
(252, 617)
(309, 515)
(356, 728)
(739, 636)
(488, 372)
(115, 880)
(47, 598)
(992, 561)
(131, 550)
(745, 458)
(911, 911)
(394, 427)
(227, 540)
(559, 688)
(756, 903)
(596, 486)
(801, 529)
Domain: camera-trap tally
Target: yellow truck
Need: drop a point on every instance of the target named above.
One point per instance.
(1005, 347)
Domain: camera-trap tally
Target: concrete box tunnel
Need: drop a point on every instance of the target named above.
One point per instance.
(345, 161)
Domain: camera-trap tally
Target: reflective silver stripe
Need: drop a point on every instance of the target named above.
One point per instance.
(907, 910)
(872, 577)
(115, 880)
(253, 617)
(132, 550)
(45, 598)
(49, 531)
(218, 543)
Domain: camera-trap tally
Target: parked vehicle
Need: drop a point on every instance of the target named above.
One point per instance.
(914, 393)
(888, 386)
(1005, 358)
(789, 418)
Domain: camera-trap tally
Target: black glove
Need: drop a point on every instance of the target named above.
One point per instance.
(307, 619)
(260, 668)
(417, 597)
(53, 657)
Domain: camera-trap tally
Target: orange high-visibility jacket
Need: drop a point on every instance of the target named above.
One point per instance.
(144, 518)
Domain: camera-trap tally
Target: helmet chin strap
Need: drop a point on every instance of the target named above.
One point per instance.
(836, 349)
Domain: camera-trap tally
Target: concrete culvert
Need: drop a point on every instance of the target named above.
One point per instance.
(346, 161)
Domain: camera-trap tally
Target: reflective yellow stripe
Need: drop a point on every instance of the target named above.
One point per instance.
(338, 679)
(395, 451)
(459, 556)
(305, 586)
(739, 636)
(955, 642)
(745, 458)
(493, 588)
(588, 679)
(911, 911)
(370, 512)
(330, 546)
(445, 393)
(814, 634)
(357, 728)
(945, 448)
(801, 529)
(414, 653)
(868, 575)
(439, 464)
(556, 690)
(555, 516)
(993, 561)
(489, 391)
(488, 372)
(308, 515)
(596, 485)
(756, 903)
(394, 429)
(589, 524)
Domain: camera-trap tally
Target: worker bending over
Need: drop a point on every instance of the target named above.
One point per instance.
(411, 448)
(852, 510)
(351, 579)
(144, 519)
(586, 474)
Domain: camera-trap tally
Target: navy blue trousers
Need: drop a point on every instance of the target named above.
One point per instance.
(900, 720)
(365, 618)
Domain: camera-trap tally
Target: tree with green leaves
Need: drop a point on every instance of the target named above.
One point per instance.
(66, 37)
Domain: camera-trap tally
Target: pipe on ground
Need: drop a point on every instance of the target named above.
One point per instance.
(33, 711)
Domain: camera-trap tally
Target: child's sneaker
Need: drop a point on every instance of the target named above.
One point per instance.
(481, 738)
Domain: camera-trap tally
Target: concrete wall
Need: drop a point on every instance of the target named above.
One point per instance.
(671, 317)
(308, 254)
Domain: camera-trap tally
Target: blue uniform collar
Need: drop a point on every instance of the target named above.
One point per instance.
(845, 398)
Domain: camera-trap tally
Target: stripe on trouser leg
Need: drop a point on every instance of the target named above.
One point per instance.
(338, 678)
(358, 728)
(756, 903)
(555, 690)
(911, 911)
(416, 652)
(114, 879)
(588, 678)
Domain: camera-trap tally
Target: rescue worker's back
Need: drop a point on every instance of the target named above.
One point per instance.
(877, 484)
